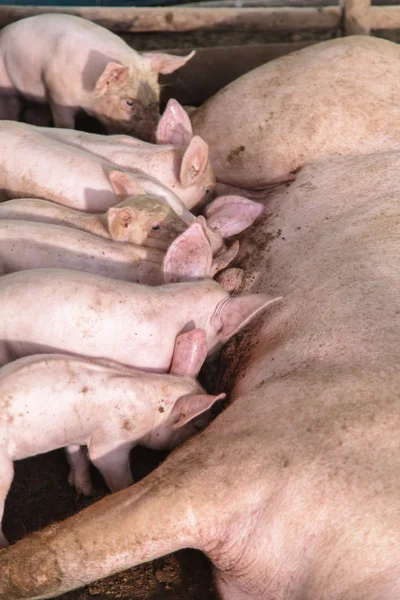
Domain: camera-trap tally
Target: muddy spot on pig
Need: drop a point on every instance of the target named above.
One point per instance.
(40, 495)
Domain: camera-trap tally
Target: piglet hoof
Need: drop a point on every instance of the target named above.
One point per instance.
(81, 486)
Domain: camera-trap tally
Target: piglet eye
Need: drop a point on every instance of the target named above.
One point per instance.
(156, 228)
(129, 102)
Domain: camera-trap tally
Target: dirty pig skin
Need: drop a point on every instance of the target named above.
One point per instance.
(335, 97)
(77, 64)
(293, 491)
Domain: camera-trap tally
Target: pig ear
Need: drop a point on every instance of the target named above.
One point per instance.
(190, 352)
(174, 126)
(189, 256)
(118, 221)
(237, 312)
(194, 161)
(191, 406)
(165, 63)
(231, 279)
(113, 73)
(230, 215)
(124, 184)
(224, 259)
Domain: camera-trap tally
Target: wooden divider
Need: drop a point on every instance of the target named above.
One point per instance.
(352, 16)
(180, 19)
(357, 17)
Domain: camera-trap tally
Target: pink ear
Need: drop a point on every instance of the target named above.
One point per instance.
(216, 240)
(189, 256)
(194, 161)
(237, 312)
(223, 259)
(230, 215)
(191, 406)
(113, 73)
(124, 184)
(174, 126)
(160, 62)
(190, 352)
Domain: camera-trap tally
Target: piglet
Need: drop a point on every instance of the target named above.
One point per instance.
(34, 165)
(59, 310)
(146, 219)
(77, 65)
(179, 160)
(30, 245)
(74, 401)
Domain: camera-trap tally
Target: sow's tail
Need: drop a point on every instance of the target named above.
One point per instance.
(127, 528)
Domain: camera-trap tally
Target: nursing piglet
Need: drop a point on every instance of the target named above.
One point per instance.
(34, 165)
(145, 220)
(179, 160)
(74, 401)
(74, 64)
(29, 245)
(58, 310)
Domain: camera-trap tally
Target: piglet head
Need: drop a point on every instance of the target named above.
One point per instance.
(185, 414)
(146, 220)
(230, 215)
(126, 100)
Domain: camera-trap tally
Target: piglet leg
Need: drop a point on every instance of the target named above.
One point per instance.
(112, 460)
(6, 477)
(63, 116)
(79, 474)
